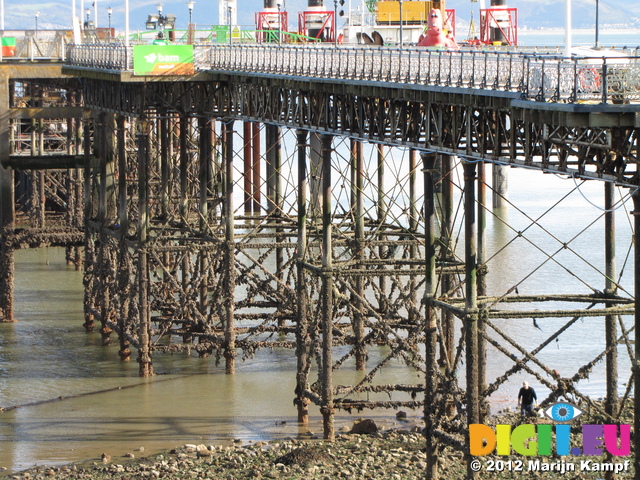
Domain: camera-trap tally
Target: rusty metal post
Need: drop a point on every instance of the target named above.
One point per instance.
(205, 147)
(89, 243)
(274, 160)
(248, 167)
(257, 199)
(327, 293)
(413, 228)
(382, 218)
(123, 271)
(144, 327)
(431, 282)
(482, 286)
(471, 301)
(165, 146)
(105, 160)
(357, 200)
(302, 326)
(610, 289)
(229, 301)
(446, 233)
(7, 207)
(635, 366)
(500, 186)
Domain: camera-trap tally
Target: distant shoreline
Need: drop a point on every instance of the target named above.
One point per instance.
(607, 31)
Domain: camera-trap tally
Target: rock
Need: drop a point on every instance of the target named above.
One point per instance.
(129, 455)
(106, 458)
(203, 451)
(401, 415)
(364, 427)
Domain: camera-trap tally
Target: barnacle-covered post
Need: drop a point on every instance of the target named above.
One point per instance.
(610, 289)
(7, 210)
(302, 313)
(144, 325)
(229, 301)
(123, 271)
(357, 200)
(431, 282)
(327, 293)
(471, 300)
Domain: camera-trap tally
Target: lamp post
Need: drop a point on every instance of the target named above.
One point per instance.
(160, 21)
(335, 23)
(37, 15)
(279, 23)
(229, 18)
(109, 13)
(597, 20)
(190, 5)
(401, 32)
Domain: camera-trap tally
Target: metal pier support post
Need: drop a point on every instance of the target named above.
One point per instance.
(247, 137)
(448, 279)
(144, 327)
(7, 208)
(471, 301)
(257, 199)
(204, 179)
(413, 228)
(327, 293)
(274, 161)
(89, 243)
(229, 301)
(105, 188)
(382, 218)
(610, 289)
(123, 271)
(185, 267)
(500, 186)
(482, 286)
(357, 201)
(635, 366)
(431, 282)
(302, 326)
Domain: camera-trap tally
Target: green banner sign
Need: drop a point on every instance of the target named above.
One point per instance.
(8, 46)
(163, 60)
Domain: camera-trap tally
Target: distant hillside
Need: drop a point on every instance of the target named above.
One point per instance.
(531, 13)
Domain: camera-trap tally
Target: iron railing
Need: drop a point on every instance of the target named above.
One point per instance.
(534, 76)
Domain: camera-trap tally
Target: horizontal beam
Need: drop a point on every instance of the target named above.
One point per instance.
(45, 113)
(45, 162)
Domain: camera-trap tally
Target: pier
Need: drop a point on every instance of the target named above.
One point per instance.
(305, 197)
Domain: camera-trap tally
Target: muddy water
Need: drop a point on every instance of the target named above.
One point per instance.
(76, 399)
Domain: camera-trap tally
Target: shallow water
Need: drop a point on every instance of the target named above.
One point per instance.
(76, 399)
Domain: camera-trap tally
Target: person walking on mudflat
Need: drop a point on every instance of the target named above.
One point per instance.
(527, 399)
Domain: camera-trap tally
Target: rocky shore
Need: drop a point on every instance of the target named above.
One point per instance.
(392, 455)
(363, 453)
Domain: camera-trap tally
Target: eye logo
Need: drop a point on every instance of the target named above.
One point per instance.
(563, 412)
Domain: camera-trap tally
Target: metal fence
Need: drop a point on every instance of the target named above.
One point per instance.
(535, 76)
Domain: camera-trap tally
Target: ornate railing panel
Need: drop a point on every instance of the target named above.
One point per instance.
(547, 78)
